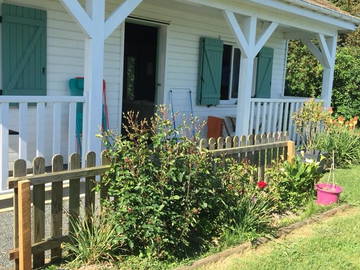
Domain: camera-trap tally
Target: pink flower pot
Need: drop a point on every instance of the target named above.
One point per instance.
(327, 193)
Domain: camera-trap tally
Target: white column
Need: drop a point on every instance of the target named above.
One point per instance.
(326, 55)
(94, 74)
(328, 46)
(250, 46)
(92, 22)
(327, 85)
(244, 95)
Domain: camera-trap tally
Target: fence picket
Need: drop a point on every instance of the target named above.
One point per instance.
(74, 191)
(39, 211)
(212, 144)
(220, 143)
(262, 158)
(228, 142)
(257, 140)
(89, 186)
(103, 191)
(56, 206)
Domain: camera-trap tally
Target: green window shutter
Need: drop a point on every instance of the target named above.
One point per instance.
(210, 67)
(23, 50)
(264, 73)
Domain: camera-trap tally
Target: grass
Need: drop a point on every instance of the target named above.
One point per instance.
(332, 244)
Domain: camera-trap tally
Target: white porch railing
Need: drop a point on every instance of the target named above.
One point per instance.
(274, 115)
(43, 126)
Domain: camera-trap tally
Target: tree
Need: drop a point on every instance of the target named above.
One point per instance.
(304, 72)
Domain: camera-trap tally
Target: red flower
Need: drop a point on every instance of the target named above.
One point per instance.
(262, 184)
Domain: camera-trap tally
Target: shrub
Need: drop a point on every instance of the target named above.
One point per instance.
(340, 137)
(292, 183)
(309, 120)
(169, 198)
(304, 76)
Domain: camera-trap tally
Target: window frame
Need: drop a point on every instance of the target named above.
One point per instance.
(231, 100)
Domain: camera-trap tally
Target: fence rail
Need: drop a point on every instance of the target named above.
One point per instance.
(29, 192)
(31, 254)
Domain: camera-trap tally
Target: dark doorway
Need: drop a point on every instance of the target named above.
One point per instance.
(140, 69)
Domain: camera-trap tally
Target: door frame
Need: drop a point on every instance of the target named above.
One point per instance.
(161, 60)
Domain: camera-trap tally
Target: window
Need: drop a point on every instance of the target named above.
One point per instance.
(230, 72)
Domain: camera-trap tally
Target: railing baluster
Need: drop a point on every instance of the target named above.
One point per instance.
(281, 117)
(72, 129)
(286, 118)
(252, 118)
(56, 143)
(4, 144)
(276, 117)
(257, 127)
(40, 129)
(263, 118)
(291, 121)
(23, 126)
(270, 117)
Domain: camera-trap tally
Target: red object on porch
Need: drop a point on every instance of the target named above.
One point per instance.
(215, 127)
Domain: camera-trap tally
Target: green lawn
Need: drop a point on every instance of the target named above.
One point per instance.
(349, 179)
(332, 244)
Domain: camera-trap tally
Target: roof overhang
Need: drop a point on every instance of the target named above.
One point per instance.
(305, 9)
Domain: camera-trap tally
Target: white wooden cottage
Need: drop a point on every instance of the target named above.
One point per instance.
(224, 58)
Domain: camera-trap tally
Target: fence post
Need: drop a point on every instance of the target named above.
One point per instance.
(24, 214)
(290, 151)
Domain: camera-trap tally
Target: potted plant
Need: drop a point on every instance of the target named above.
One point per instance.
(328, 193)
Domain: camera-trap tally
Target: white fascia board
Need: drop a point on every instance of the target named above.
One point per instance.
(282, 13)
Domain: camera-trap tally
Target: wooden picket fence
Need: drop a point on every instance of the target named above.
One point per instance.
(258, 150)
(30, 243)
(29, 253)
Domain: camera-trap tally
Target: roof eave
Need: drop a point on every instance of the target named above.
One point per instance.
(327, 11)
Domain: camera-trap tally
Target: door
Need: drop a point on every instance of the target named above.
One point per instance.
(140, 66)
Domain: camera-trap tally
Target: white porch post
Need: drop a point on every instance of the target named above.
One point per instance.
(93, 23)
(94, 74)
(250, 46)
(326, 55)
(328, 46)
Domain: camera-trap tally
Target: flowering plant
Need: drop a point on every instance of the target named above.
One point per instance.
(261, 184)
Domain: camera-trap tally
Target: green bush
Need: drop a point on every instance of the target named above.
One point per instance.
(169, 198)
(342, 139)
(292, 183)
(304, 77)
